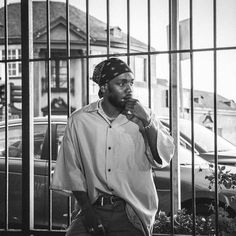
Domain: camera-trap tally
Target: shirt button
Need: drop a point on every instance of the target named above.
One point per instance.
(109, 148)
(109, 126)
(109, 170)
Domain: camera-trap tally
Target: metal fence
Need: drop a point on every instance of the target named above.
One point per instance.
(44, 49)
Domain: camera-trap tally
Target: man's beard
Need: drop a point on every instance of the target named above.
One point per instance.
(114, 100)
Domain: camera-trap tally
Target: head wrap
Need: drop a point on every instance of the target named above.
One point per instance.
(108, 70)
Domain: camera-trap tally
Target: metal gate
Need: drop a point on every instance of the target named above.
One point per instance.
(49, 50)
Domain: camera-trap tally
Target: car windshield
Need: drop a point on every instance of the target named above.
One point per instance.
(204, 137)
(185, 158)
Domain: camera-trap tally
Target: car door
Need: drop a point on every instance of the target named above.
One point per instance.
(44, 198)
(14, 175)
(60, 204)
(41, 185)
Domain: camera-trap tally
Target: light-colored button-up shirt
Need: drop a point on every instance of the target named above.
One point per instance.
(98, 156)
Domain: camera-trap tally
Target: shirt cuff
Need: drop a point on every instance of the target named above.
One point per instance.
(165, 147)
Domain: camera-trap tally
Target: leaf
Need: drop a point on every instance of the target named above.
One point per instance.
(222, 168)
(226, 200)
(211, 165)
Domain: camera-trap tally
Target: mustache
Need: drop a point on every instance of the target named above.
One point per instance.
(127, 97)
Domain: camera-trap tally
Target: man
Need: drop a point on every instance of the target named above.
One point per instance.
(107, 155)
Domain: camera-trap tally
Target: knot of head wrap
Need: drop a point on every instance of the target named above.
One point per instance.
(108, 70)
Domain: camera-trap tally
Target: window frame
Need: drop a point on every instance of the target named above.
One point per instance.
(13, 54)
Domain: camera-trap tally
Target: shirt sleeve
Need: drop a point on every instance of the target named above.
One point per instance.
(165, 145)
(68, 173)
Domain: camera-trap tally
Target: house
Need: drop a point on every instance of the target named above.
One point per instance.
(204, 112)
(203, 102)
(78, 78)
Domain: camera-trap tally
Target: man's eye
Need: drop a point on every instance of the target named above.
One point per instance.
(121, 84)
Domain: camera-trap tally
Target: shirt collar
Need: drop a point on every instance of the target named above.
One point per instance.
(92, 107)
(96, 107)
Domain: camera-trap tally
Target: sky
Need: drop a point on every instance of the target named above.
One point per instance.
(203, 70)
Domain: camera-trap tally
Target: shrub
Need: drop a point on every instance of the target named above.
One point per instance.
(183, 223)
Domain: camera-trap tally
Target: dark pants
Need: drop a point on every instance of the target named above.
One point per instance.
(113, 218)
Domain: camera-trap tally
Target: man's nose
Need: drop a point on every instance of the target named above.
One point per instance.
(129, 88)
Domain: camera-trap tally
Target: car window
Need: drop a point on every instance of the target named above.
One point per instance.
(39, 136)
(60, 134)
(15, 140)
(14, 137)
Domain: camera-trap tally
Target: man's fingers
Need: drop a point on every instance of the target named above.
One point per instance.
(131, 101)
(101, 229)
(91, 230)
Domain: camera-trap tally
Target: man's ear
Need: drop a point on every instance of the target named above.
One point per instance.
(103, 88)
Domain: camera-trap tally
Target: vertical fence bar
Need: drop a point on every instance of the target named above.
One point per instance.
(68, 82)
(6, 115)
(170, 111)
(215, 118)
(128, 31)
(192, 117)
(175, 168)
(149, 56)
(68, 55)
(27, 118)
(87, 48)
(108, 29)
(48, 58)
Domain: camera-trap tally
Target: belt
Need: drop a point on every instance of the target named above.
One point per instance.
(107, 200)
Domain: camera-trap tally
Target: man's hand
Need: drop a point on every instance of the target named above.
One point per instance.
(136, 112)
(134, 108)
(92, 222)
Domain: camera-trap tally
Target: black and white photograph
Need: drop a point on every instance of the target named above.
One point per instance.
(117, 117)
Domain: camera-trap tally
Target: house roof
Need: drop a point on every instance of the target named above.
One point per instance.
(58, 11)
(206, 100)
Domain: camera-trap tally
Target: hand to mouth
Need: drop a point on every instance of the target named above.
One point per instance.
(130, 103)
(127, 98)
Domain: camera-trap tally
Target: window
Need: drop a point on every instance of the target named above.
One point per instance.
(15, 141)
(58, 73)
(14, 68)
(140, 69)
(166, 98)
(59, 68)
(39, 136)
(60, 134)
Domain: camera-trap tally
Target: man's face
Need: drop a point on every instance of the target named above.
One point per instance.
(120, 89)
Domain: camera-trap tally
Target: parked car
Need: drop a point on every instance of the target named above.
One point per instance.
(204, 142)
(41, 192)
(60, 202)
(204, 197)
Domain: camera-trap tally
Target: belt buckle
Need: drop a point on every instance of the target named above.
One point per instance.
(112, 200)
(102, 201)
